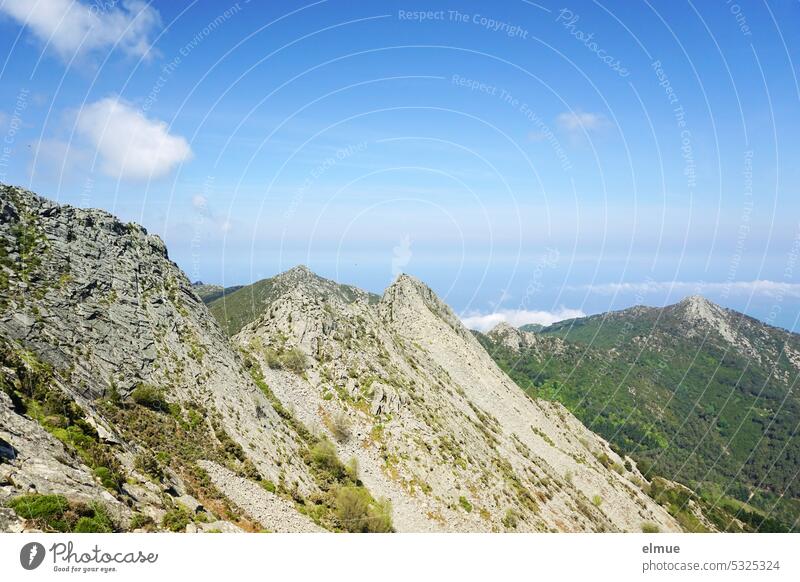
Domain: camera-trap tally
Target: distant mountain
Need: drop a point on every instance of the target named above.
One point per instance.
(533, 327)
(697, 393)
(209, 293)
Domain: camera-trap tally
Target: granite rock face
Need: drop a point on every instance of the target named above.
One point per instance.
(432, 423)
(99, 303)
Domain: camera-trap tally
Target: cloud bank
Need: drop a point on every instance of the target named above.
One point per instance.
(72, 28)
(518, 317)
(130, 145)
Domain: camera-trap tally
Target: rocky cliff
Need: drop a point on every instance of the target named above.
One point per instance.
(108, 352)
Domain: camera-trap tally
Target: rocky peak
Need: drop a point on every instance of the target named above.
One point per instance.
(507, 335)
(503, 328)
(409, 295)
(516, 339)
(701, 313)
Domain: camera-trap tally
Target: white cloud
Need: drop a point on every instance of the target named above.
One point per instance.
(70, 27)
(760, 287)
(130, 145)
(577, 122)
(518, 317)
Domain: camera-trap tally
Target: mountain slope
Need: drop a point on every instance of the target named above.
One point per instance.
(697, 393)
(409, 397)
(107, 350)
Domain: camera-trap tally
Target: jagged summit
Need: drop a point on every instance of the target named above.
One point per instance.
(240, 307)
(502, 328)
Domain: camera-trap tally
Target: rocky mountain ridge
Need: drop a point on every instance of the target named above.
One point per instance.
(401, 386)
(124, 405)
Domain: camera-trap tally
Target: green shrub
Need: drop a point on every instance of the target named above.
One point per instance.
(100, 522)
(352, 469)
(110, 478)
(380, 517)
(176, 519)
(272, 359)
(510, 520)
(57, 513)
(358, 512)
(141, 521)
(597, 500)
(294, 360)
(147, 464)
(46, 511)
(323, 454)
(464, 502)
(650, 528)
(341, 427)
(150, 397)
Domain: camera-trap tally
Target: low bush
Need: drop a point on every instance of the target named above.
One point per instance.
(358, 512)
(141, 521)
(294, 360)
(147, 464)
(341, 427)
(55, 513)
(150, 397)
(176, 519)
(323, 454)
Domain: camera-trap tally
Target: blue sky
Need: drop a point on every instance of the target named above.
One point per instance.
(529, 161)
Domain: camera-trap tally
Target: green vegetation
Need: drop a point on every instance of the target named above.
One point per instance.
(294, 360)
(149, 465)
(510, 519)
(194, 434)
(32, 389)
(55, 513)
(683, 406)
(150, 396)
(176, 519)
(358, 512)
(465, 504)
(209, 293)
